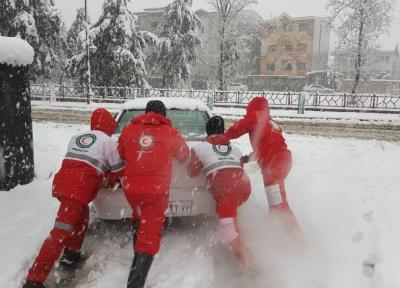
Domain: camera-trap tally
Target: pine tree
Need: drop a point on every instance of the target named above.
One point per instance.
(39, 23)
(178, 41)
(7, 14)
(119, 59)
(76, 64)
(76, 35)
(62, 52)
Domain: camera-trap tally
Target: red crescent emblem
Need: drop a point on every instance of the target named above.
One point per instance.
(146, 141)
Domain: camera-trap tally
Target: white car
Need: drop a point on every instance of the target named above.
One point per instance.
(187, 196)
(236, 87)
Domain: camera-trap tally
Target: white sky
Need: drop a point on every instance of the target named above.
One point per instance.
(266, 8)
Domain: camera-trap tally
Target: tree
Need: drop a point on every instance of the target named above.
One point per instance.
(178, 40)
(228, 11)
(119, 59)
(62, 55)
(7, 14)
(76, 35)
(248, 38)
(76, 48)
(360, 23)
(39, 23)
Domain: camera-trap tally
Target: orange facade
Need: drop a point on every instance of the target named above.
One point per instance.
(288, 46)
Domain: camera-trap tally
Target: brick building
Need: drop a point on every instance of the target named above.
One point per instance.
(294, 45)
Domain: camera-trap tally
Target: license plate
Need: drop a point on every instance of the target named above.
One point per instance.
(179, 208)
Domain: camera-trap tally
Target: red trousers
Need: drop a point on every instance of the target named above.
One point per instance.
(150, 210)
(230, 188)
(274, 175)
(68, 232)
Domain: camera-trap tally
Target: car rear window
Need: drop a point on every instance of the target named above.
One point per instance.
(188, 122)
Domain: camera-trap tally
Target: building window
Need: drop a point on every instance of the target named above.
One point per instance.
(287, 65)
(301, 66)
(287, 27)
(271, 48)
(288, 47)
(271, 67)
(384, 59)
(303, 27)
(302, 47)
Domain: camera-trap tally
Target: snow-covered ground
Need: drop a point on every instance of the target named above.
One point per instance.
(344, 192)
(78, 106)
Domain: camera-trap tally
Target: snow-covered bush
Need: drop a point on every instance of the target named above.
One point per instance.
(329, 79)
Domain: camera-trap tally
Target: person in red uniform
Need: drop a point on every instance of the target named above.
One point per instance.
(272, 154)
(227, 182)
(148, 145)
(90, 156)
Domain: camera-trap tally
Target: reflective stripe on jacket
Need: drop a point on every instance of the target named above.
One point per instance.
(90, 155)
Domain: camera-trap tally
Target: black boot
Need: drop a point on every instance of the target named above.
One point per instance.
(135, 228)
(71, 258)
(139, 269)
(31, 284)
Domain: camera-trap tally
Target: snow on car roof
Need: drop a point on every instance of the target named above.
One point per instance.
(170, 103)
(15, 51)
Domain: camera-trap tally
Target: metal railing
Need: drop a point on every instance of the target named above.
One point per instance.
(337, 101)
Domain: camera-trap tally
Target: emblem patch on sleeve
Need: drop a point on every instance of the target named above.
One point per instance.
(223, 150)
(86, 140)
(145, 141)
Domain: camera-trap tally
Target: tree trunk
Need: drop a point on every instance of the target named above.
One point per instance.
(164, 79)
(359, 52)
(221, 68)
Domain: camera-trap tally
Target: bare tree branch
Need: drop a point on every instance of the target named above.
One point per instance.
(359, 24)
(228, 12)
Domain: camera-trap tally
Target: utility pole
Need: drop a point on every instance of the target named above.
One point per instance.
(90, 48)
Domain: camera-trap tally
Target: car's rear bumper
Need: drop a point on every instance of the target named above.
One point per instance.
(112, 205)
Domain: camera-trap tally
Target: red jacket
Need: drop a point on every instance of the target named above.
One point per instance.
(148, 145)
(89, 158)
(265, 135)
(195, 164)
(229, 185)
